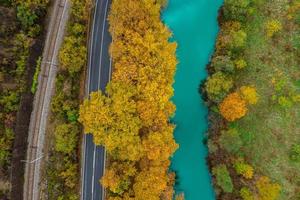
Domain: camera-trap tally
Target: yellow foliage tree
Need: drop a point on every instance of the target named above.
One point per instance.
(249, 94)
(266, 189)
(233, 107)
(132, 119)
(244, 169)
(273, 26)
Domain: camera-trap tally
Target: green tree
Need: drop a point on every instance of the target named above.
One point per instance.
(231, 141)
(66, 137)
(26, 16)
(236, 9)
(218, 85)
(72, 55)
(223, 178)
(295, 153)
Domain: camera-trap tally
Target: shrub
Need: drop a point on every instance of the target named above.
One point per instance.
(243, 169)
(238, 39)
(223, 63)
(36, 76)
(266, 189)
(10, 101)
(236, 9)
(249, 94)
(233, 107)
(295, 153)
(72, 55)
(273, 26)
(246, 194)
(26, 16)
(231, 141)
(223, 178)
(218, 85)
(285, 102)
(66, 138)
(240, 63)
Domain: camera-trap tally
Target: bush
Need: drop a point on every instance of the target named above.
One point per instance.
(240, 63)
(66, 137)
(236, 9)
(223, 178)
(249, 94)
(285, 102)
(295, 153)
(231, 141)
(266, 189)
(10, 101)
(246, 194)
(272, 27)
(36, 75)
(26, 16)
(243, 169)
(223, 63)
(218, 85)
(72, 55)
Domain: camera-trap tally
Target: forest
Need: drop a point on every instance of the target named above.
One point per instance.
(253, 93)
(21, 30)
(131, 118)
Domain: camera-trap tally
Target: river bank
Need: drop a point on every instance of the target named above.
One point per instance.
(252, 96)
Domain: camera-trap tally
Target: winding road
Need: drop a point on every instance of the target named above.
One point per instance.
(99, 74)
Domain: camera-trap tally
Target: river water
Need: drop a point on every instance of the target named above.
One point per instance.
(194, 26)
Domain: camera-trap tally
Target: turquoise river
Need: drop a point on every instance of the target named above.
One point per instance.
(194, 26)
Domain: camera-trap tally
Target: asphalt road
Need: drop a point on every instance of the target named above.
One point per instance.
(99, 73)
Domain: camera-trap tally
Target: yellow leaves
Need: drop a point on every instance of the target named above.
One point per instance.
(132, 121)
(160, 145)
(266, 189)
(244, 169)
(150, 183)
(233, 107)
(118, 177)
(240, 63)
(249, 94)
(272, 26)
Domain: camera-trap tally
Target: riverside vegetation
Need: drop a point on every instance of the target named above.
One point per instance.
(253, 92)
(131, 119)
(62, 166)
(19, 31)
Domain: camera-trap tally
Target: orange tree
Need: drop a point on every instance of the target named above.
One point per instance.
(233, 107)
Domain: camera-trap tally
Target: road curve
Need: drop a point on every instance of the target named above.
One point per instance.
(99, 73)
(38, 120)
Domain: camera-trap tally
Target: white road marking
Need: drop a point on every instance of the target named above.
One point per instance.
(99, 83)
(88, 89)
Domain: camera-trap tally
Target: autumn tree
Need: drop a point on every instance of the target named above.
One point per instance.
(131, 118)
(233, 107)
(249, 94)
(119, 176)
(72, 55)
(266, 189)
(243, 169)
(272, 27)
(66, 138)
(218, 85)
